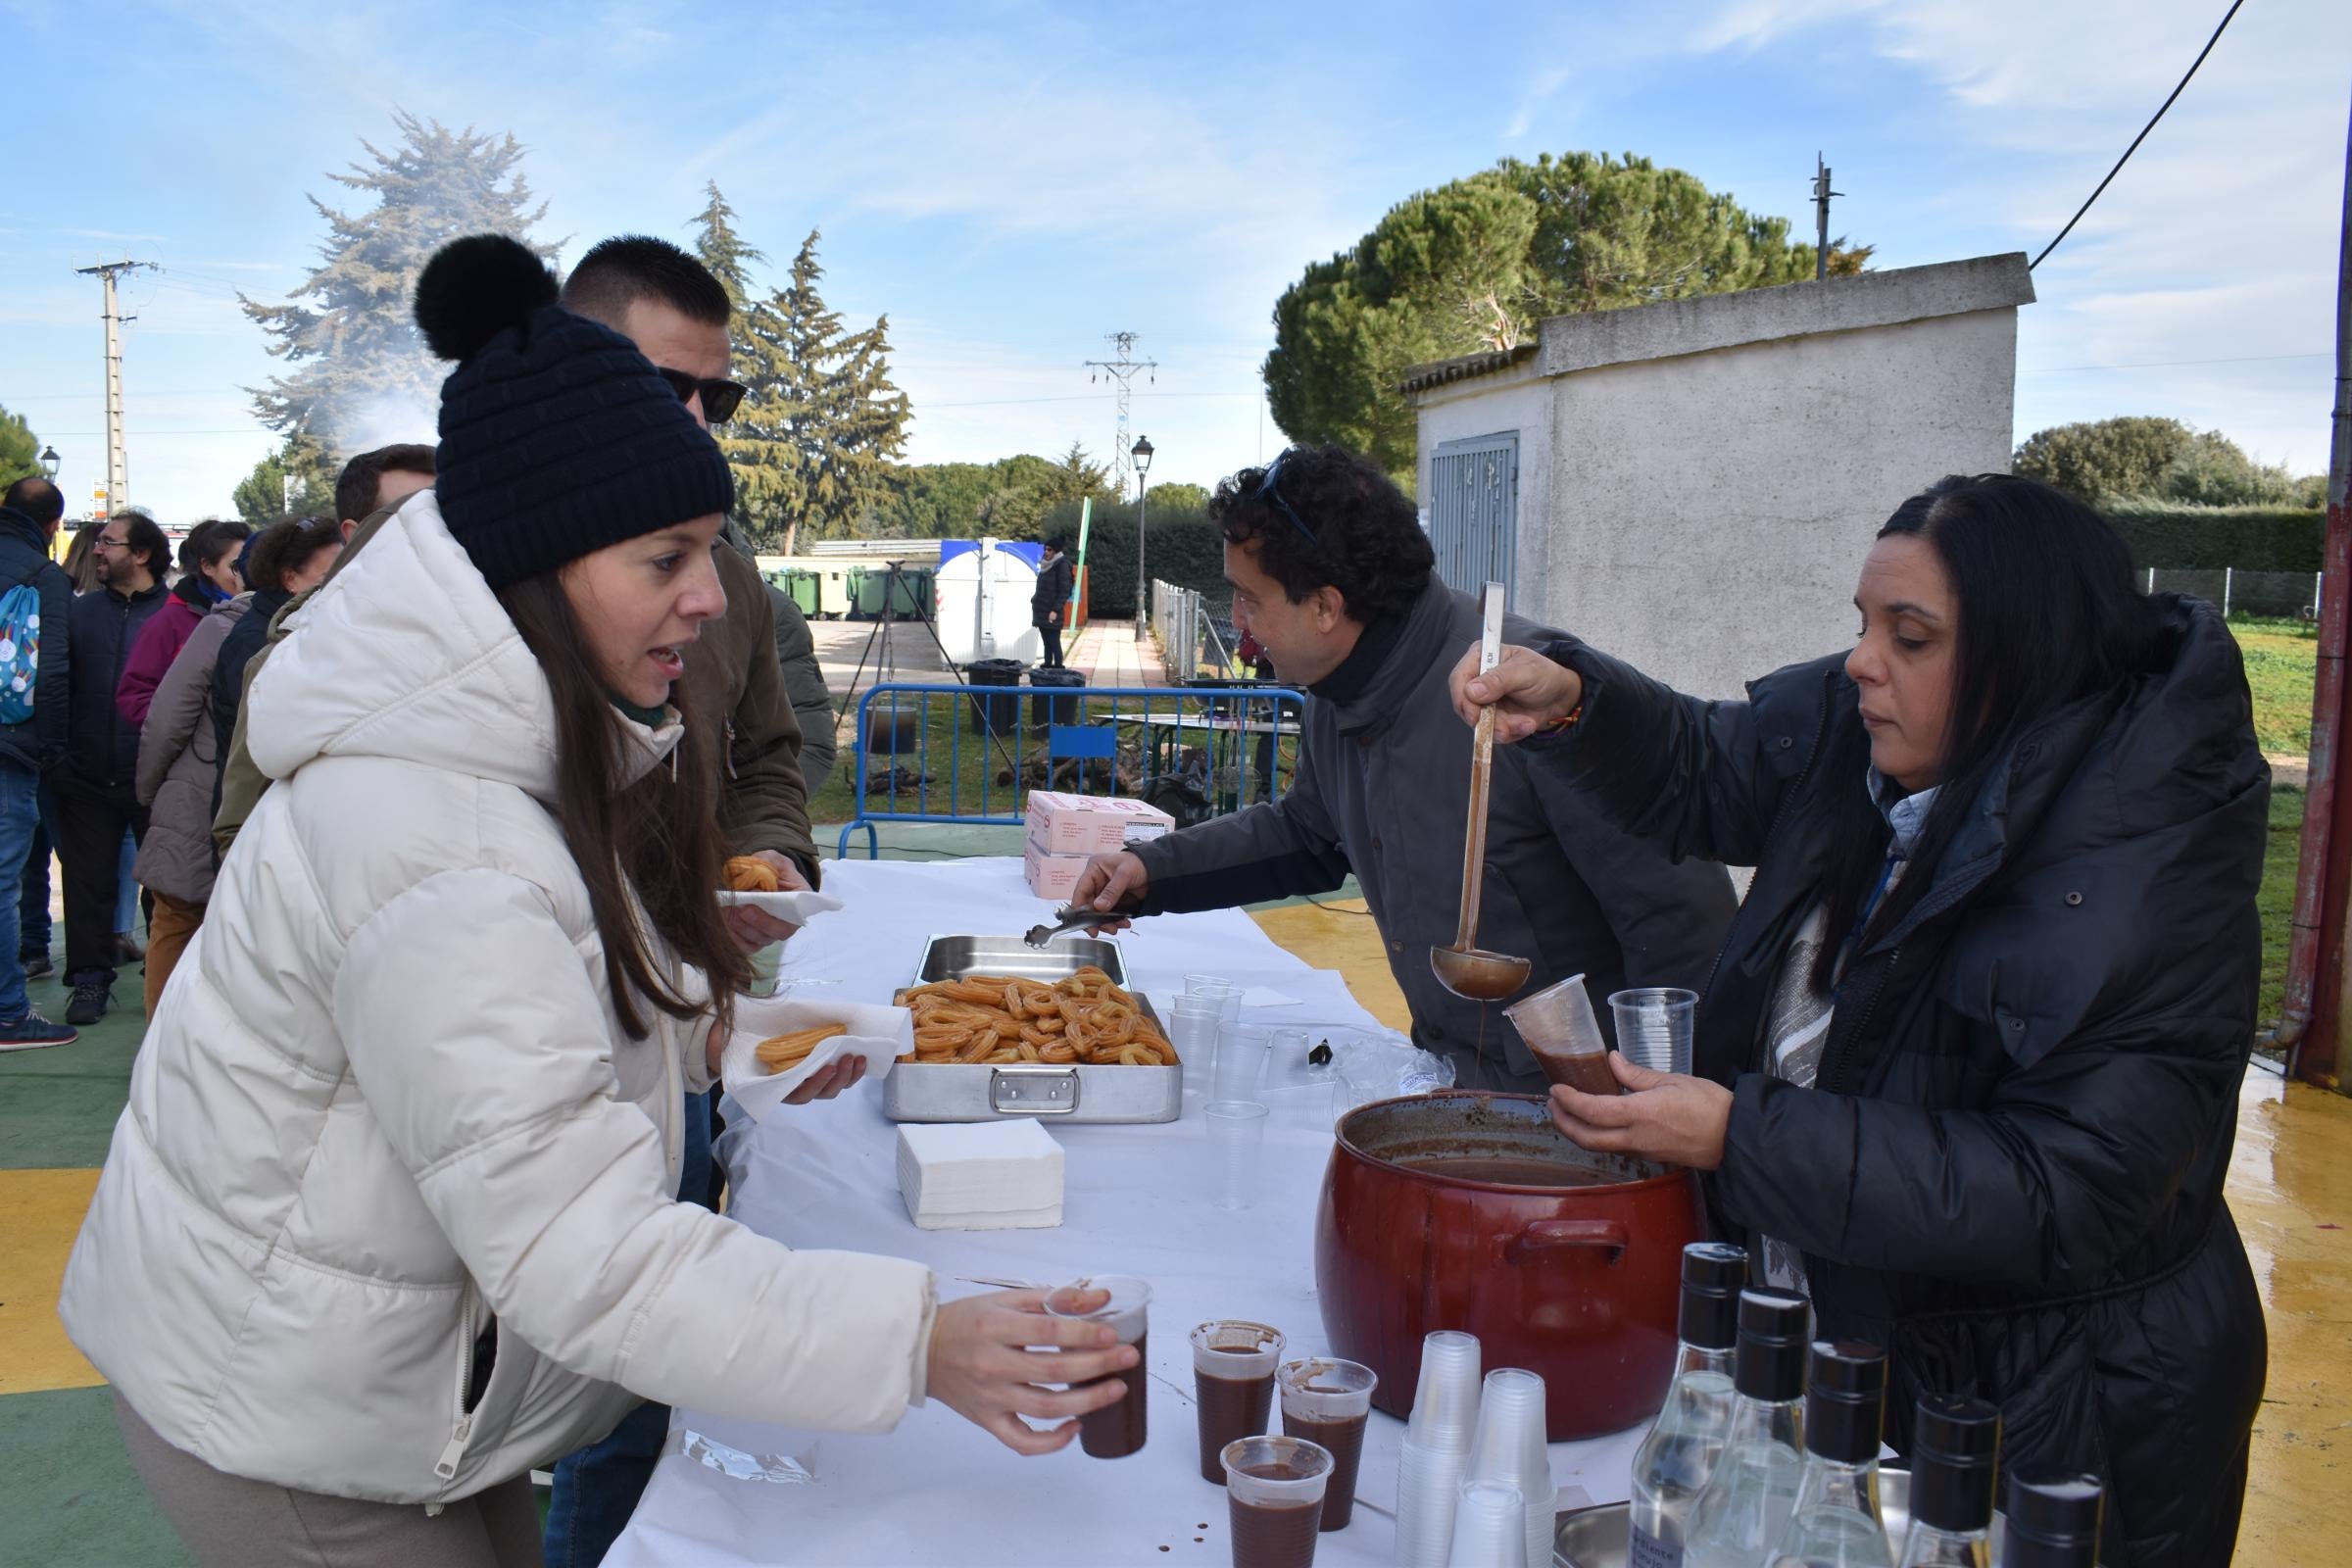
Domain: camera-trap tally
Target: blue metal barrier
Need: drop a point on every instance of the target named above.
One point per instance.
(972, 753)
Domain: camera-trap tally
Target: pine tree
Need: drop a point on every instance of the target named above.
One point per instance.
(756, 448)
(264, 495)
(822, 424)
(348, 338)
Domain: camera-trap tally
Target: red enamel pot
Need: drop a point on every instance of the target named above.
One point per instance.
(1465, 1210)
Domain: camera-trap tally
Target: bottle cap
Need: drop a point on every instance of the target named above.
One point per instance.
(2053, 1519)
(1713, 1276)
(1845, 1401)
(1955, 1444)
(1774, 1328)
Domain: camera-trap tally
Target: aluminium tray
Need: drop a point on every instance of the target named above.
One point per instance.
(992, 1092)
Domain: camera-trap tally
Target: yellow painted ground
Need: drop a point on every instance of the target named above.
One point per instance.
(1342, 936)
(40, 1210)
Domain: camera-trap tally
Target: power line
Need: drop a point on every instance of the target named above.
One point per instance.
(2136, 140)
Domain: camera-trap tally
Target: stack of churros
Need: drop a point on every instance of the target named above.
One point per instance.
(1083, 1019)
(787, 1052)
(746, 874)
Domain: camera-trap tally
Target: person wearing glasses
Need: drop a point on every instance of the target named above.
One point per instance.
(1332, 576)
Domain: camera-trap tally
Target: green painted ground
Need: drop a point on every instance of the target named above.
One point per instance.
(69, 1498)
(58, 1106)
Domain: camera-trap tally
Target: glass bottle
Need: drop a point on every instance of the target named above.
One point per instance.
(2053, 1520)
(1836, 1523)
(1955, 1444)
(1672, 1466)
(1738, 1518)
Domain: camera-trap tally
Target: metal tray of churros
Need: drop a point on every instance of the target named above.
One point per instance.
(929, 1091)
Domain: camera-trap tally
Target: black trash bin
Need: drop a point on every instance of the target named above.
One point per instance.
(1047, 712)
(993, 709)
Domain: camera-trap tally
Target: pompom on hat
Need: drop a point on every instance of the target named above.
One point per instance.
(558, 437)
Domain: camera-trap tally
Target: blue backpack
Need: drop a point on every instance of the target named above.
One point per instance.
(20, 650)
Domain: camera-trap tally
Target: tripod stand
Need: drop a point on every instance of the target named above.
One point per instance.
(879, 651)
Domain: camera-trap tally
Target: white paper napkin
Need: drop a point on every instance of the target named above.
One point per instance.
(879, 1034)
(795, 906)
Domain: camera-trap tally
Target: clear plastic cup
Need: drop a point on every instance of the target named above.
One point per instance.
(1233, 1386)
(1223, 992)
(1121, 1429)
(1486, 1526)
(1511, 1448)
(1236, 1138)
(1654, 1024)
(768, 966)
(1274, 1490)
(1329, 1401)
(1445, 1400)
(1195, 1024)
(1560, 1028)
(1428, 1487)
(1241, 1071)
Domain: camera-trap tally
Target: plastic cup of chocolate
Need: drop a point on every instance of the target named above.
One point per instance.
(1328, 1401)
(1274, 1495)
(1116, 1429)
(1233, 1379)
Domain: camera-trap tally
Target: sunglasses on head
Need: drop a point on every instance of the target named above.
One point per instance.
(1266, 492)
(721, 398)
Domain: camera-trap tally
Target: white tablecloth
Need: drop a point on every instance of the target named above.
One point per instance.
(939, 1490)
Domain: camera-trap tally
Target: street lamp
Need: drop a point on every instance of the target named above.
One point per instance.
(1141, 451)
(50, 462)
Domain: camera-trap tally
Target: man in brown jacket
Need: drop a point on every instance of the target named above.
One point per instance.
(733, 668)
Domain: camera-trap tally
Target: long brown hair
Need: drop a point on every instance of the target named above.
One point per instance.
(657, 835)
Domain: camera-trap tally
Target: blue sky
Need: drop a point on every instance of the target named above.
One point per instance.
(1011, 181)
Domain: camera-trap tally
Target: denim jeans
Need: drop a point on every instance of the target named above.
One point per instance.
(34, 928)
(19, 820)
(127, 894)
(597, 1489)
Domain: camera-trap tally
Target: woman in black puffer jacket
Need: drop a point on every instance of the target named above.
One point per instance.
(1966, 1068)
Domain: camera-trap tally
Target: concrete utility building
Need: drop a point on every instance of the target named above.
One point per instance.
(1693, 485)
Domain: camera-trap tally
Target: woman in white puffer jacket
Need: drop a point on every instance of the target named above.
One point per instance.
(387, 1220)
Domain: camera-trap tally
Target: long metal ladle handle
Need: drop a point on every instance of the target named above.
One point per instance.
(1482, 776)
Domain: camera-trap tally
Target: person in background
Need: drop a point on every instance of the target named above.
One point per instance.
(388, 1221)
(36, 600)
(97, 803)
(1252, 657)
(208, 578)
(369, 489)
(1968, 1071)
(379, 481)
(1049, 601)
(288, 560)
(81, 556)
(1334, 578)
(178, 764)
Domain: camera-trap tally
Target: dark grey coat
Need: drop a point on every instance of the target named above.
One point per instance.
(2010, 1173)
(1383, 789)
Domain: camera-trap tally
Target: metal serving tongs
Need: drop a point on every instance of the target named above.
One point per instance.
(1070, 919)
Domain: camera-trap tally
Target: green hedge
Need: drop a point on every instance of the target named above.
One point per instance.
(2169, 535)
(1184, 550)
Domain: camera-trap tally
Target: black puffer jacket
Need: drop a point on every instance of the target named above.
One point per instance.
(103, 747)
(2010, 1173)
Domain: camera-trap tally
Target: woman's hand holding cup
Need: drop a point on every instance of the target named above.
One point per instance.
(1525, 690)
(981, 1367)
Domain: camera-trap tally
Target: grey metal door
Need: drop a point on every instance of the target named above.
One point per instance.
(1474, 511)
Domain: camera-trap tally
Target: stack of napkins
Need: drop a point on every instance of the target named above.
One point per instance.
(980, 1176)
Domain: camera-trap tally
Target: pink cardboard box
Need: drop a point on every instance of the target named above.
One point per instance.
(1060, 824)
(1052, 876)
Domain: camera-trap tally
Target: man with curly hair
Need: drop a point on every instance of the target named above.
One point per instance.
(1334, 578)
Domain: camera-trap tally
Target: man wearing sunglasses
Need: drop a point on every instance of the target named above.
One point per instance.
(1334, 578)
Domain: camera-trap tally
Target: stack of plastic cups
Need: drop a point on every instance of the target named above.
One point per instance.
(1511, 1448)
(1436, 1449)
(1194, 1024)
(1487, 1530)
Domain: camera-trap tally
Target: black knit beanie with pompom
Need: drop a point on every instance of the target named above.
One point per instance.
(558, 438)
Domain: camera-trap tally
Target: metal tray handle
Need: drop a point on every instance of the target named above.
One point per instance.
(1033, 1090)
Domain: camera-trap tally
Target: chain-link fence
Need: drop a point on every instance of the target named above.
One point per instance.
(1193, 635)
(2241, 593)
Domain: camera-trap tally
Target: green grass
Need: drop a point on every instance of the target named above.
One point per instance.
(2276, 900)
(2281, 658)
